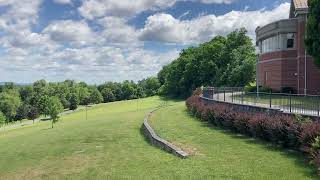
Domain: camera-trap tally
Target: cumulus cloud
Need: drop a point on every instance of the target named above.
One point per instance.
(103, 43)
(165, 28)
(63, 1)
(68, 31)
(99, 8)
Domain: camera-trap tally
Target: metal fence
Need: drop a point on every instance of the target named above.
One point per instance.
(290, 103)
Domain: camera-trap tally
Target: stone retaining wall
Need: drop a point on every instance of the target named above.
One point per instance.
(155, 140)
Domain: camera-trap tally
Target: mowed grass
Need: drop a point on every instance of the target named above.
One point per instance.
(222, 154)
(109, 145)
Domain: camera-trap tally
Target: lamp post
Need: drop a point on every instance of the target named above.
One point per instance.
(257, 70)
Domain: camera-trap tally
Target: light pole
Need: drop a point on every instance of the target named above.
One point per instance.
(257, 70)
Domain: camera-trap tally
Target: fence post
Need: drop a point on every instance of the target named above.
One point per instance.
(290, 102)
(270, 99)
(231, 94)
(224, 94)
(318, 106)
(242, 94)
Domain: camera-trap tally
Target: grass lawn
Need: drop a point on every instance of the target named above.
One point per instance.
(109, 145)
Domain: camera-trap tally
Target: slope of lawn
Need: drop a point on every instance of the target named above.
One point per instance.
(225, 155)
(109, 145)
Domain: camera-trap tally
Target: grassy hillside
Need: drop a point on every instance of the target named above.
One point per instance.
(110, 145)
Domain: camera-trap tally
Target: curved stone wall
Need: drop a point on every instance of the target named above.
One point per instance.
(155, 140)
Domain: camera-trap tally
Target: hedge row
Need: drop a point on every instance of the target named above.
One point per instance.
(281, 129)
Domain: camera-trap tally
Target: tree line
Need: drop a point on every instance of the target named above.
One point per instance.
(50, 99)
(223, 61)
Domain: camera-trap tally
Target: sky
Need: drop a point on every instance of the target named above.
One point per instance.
(114, 40)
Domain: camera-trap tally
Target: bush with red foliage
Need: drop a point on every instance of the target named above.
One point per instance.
(280, 129)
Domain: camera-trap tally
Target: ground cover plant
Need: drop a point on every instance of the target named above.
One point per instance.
(284, 130)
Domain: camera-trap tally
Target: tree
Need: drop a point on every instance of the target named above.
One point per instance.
(74, 102)
(9, 103)
(108, 95)
(223, 61)
(42, 105)
(22, 111)
(33, 113)
(2, 119)
(54, 109)
(313, 30)
(95, 96)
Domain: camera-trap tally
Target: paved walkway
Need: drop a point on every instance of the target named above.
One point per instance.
(227, 97)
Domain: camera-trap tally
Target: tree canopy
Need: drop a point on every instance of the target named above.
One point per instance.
(313, 30)
(223, 61)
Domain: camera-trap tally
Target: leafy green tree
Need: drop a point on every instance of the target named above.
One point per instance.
(2, 119)
(150, 86)
(22, 112)
(54, 109)
(108, 95)
(33, 113)
(95, 96)
(223, 61)
(26, 93)
(74, 102)
(9, 103)
(42, 105)
(313, 30)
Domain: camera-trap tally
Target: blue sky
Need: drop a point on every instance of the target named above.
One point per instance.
(114, 40)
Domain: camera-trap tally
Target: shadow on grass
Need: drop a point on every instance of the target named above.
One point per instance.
(299, 158)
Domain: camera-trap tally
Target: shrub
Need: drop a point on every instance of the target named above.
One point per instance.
(289, 131)
(288, 90)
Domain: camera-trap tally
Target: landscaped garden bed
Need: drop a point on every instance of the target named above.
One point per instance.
(285, 130)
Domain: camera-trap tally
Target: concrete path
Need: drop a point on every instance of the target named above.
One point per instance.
(227, 97)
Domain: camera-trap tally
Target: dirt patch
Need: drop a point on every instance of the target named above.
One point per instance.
(191, 150)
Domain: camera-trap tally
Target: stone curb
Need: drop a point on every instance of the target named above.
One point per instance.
(155, 140)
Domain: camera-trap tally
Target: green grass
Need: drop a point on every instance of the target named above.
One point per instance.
(109, 145)
(224, 155)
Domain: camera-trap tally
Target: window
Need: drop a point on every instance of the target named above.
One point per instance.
(278, 42)
(290, 40)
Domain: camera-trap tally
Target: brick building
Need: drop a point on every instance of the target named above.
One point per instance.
(283, 60)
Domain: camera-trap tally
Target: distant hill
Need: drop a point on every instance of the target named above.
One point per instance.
(18, 84)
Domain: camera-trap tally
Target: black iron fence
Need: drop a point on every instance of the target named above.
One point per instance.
(290, 103)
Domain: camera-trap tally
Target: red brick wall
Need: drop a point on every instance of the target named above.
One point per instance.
(287, 68)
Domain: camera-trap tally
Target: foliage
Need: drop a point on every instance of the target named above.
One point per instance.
(16, 102)
(2, 119)
(224, 61)
(74, 102)
(108, 95)
(54, 109)
(286, 130)
(9, 103)
(33, 113)
(312, 40)
(95, 96)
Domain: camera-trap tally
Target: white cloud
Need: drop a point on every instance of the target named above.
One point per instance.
(122, 8)
(117, 31)
(165, 28)
(217, 1)
(63, 1)
(68, 31)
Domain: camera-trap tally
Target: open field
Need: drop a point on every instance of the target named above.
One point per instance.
(109, 145)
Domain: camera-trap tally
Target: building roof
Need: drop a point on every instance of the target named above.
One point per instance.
(300, 4)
